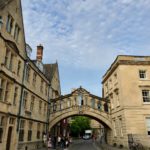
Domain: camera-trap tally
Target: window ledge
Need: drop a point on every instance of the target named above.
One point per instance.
(6, 102)
(146, 103)
(144, 79)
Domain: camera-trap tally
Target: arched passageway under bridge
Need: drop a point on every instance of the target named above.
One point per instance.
(81, 102)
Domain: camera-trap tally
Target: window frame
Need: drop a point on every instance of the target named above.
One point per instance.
(21, 131)
(146, 96)
(142, 74)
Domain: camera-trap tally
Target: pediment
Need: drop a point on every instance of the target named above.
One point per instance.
(80, 90)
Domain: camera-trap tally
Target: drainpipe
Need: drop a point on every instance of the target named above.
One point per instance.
(48, 109)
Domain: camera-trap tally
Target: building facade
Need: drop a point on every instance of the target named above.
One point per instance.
(25, 88)
(12, 58)
(127, 85)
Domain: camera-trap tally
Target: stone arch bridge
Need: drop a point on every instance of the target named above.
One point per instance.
(81, 102)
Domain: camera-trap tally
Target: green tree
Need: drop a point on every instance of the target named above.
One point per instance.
(79, 125)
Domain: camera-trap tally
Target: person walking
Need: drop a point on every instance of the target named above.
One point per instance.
(49, 144)
(59, 140)
(62, 142)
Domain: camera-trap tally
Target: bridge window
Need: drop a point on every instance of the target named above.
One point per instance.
(93, 103)
(86, 101)
(75, 101)
(106, 107)
(69, 102)
(99, 105)
(80, 99)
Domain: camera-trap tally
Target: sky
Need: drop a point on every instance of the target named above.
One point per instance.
(85, 36)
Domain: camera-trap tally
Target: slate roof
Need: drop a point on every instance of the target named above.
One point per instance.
(50, 70)
(3, 3)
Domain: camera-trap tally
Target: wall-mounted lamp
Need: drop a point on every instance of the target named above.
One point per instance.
(1, 22)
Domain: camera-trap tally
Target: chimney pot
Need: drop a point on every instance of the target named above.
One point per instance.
(39, 55)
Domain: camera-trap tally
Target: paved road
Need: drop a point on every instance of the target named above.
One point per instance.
(84, 145)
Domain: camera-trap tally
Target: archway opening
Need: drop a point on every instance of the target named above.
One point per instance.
(62, 127)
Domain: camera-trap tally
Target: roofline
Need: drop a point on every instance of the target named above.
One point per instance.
(115, 61)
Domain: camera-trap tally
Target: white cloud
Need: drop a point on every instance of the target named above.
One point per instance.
(87, 33)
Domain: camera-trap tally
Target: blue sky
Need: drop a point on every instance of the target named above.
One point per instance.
(85, 36)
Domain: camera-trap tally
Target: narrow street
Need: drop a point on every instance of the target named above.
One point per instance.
(84, 145)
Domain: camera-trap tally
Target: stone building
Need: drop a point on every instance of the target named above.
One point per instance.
(127, 85)
(12, 61)
(25, 90)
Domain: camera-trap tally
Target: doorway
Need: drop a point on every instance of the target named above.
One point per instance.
(9, 138)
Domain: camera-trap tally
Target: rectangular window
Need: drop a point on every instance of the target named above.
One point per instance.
(16, 32)
(110, 83)
(148, 125)
(40, 106)
(34, 79)
(1, 89)
(11, 63)
(7, 58)
(45, 89)
(9, 24)
(21, 130)
(27, 75)
(15, 95)
(146, 95)
(25, 96)
(32, 103)
(106, 87)
(45, 108)
(11, 121)
(38, 131)
(142, 74)
(19, 67)
(30, 131)
(1, 128)
(7, 91)
(41, 87)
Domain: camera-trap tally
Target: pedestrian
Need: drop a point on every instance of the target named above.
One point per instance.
(63, 142)
(66, 142)
(49, 144)
(44, 139)
(59, 140)
(70, 140)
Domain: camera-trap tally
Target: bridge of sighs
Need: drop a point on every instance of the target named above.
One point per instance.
(80, 102)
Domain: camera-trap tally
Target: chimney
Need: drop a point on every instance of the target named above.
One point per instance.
(39, 55)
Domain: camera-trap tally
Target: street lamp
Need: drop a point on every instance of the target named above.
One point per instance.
(1, 22)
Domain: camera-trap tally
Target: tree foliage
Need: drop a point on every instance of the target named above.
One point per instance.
(79, 125)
